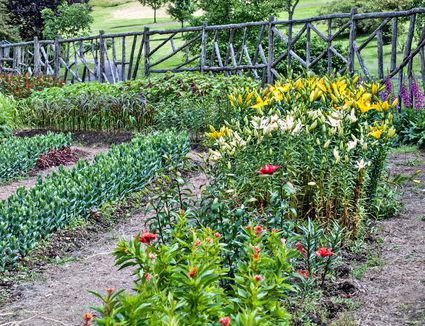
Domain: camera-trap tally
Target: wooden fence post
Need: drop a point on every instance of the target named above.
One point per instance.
(353, 31)
(147, 51)
(57, 59)
(101, 77)
(270, 50)
(37, 57)
(422, 54)
(203, 47)
(290, 29)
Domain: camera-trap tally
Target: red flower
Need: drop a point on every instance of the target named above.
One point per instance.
(147, 238)
(258, 278)
(325, 252)
(249, 228)
(87, 319)
(256, 256)
(301, 249)
(225, 321)
(274, 230)
(193, 271)
(258, 229)
(148, 277)
(217, 235)
(268, 169)
(109, 291)
(197, 243)
(256, 249)
(304, 273)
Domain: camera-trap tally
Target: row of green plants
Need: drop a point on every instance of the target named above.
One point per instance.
(19, 155)
(69, 195)
(7, 109)
(90, 106)
(22, 86)
(294, 174)
(181, 101)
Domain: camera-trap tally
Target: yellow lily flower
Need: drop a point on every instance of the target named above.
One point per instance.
(376, 133)
(260, 103)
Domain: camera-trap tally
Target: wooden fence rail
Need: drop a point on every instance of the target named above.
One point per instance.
(393, 49)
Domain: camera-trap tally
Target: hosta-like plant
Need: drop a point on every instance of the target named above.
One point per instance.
(311, 147)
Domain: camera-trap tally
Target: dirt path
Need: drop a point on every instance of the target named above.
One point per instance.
(395, 293)
(60, 297)
(9, 189)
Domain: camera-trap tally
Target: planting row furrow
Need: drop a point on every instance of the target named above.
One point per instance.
(20, 155)
(69, 195)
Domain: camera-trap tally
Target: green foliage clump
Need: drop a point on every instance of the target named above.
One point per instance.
(181, 282)
(7, 107)
(66, 21)
(410, 126)
(20, 155)
(68, 195)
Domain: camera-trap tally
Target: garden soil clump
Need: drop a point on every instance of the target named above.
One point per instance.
(394, 294)
(59, 294)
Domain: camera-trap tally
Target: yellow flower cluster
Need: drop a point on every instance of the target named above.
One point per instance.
(217, 134)
(341, 93)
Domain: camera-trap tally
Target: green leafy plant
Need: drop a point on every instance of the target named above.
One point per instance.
(63, 197)
(20, 155)
(181, 282)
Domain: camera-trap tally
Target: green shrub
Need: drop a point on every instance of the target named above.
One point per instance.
(20, 155)
(67, 195)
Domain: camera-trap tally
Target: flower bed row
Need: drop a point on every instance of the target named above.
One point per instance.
(184, 102)
(20, 155)
(68, 195)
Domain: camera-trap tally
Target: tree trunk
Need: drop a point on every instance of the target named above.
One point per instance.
(154, 15)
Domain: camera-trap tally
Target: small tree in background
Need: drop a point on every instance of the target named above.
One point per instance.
(26, 15)
(290, 6)
(181, 10)
(154, 4)
(7, 31)
(67, 21)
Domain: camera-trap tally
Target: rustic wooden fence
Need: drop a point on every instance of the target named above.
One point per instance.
(394, 49)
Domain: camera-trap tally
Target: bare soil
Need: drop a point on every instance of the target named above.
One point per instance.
(59, 294)
(394, 294)
(86, 153)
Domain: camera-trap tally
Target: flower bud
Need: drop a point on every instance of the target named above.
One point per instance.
(326, 145)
